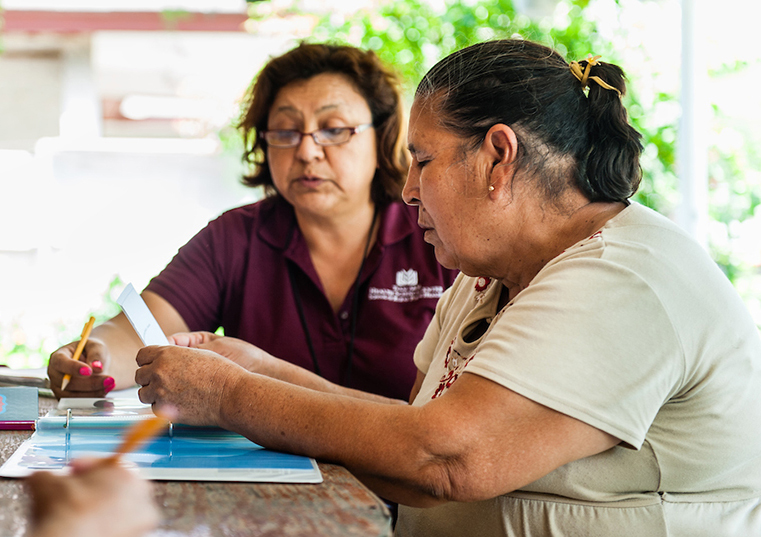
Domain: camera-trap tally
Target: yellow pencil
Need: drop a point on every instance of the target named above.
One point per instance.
(139, 433)
(80, 347)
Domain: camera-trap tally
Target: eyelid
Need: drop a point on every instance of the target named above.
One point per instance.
(334, 123)
(419, 158)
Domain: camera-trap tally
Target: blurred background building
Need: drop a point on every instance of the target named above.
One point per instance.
(110, 149)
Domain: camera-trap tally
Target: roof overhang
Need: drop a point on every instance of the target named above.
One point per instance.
(91, 21)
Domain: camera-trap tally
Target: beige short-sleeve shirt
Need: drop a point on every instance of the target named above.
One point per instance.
(634, 331)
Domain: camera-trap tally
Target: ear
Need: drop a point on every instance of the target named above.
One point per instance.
(501, 148)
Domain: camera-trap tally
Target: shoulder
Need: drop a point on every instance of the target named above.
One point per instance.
(268, 220)
(250, 213)
(638, 224)
(640, 242)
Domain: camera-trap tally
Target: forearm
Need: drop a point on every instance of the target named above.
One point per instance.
(380, 443)
(122, 343)
(478, 441)
(257, 360)
(293, 374)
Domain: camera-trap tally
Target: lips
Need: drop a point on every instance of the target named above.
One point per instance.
(309, 180)
(424, 225)
(427, 229)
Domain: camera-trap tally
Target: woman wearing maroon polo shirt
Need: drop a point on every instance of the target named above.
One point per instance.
(330, 272)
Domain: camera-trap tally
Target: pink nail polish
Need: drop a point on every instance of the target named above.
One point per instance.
(108, 384)
(85, 371)
(97, 364)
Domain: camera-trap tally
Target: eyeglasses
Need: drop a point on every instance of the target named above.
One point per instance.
(323, 137)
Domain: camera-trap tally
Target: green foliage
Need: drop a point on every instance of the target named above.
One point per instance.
(173, 18)
(17, 351)
(411, 36)
(231, 140)
(109, 308)
(734, 196)
(734, 174)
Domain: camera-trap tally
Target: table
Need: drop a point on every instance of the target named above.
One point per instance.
(340, 506)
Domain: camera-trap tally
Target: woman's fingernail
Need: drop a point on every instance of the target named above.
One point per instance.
(98, 364)
(85, 371)
(108, 384)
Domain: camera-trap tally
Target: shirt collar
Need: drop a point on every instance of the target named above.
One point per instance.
(278, 223)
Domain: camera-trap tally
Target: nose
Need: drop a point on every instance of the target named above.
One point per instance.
(411, 190)
(308, 150)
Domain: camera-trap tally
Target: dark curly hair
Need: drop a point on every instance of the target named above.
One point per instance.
(375, 82)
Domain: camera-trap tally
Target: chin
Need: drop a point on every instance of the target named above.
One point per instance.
(314, 202)
(445, 260)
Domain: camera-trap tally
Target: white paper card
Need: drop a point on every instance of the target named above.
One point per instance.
(140, 317)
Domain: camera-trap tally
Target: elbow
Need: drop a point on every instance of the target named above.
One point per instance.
(467, 477)
(452, 468)
(446, 479)
(437, 481)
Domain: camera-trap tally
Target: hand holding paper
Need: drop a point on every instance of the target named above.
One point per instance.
(140, 317)
(194, 382)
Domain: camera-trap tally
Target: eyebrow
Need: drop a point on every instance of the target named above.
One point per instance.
(289, 108)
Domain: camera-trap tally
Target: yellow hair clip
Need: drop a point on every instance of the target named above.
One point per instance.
(584, 77)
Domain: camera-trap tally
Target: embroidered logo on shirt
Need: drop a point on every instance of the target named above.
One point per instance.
(455, 364)
(406, 277)
(406, 289)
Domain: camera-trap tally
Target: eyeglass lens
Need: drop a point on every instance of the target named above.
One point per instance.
(292, 138)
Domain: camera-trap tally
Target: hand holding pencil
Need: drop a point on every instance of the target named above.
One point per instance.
(80, 347)
(96, 499)
(100, 497)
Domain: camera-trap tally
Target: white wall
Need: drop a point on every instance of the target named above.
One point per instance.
(83, 200)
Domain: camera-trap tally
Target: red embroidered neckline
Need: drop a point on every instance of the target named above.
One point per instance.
(482, 283)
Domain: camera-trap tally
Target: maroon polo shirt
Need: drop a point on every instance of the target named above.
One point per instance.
(234, 274)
